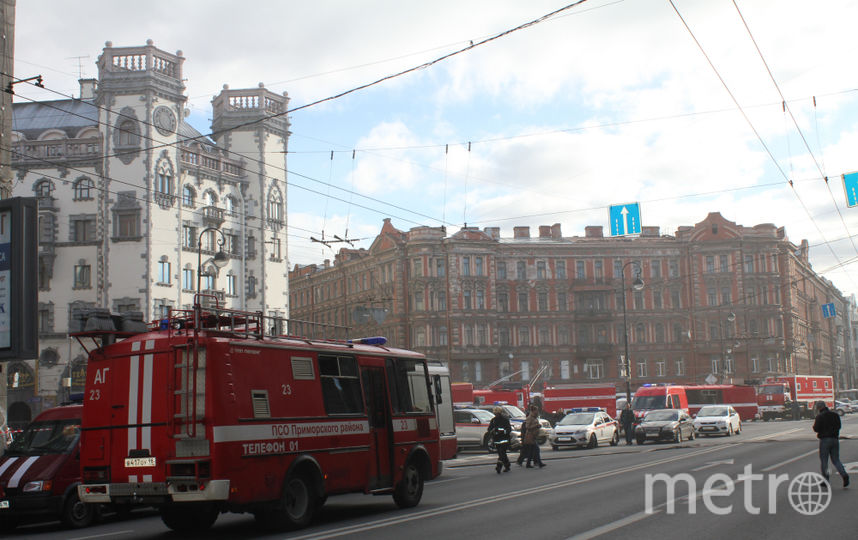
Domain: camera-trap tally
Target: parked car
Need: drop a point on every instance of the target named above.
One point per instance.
(40, 472)
(842, 407)
(717, 420)
(585, 428)
(665, 425)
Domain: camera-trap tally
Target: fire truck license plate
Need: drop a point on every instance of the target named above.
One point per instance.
(4, 504)
(140, 462)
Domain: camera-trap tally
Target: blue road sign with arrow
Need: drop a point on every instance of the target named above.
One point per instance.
(625, 219)
(828, 310)
(850, 184)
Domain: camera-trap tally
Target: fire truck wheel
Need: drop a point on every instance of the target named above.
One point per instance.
(77, 514)
(409, 491)
(189, 517)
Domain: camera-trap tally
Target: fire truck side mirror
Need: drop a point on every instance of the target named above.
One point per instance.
(436, 381)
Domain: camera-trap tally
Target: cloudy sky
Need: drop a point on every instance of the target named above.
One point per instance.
(676, 105)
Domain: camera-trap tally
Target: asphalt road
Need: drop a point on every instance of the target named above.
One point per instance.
(591, 493)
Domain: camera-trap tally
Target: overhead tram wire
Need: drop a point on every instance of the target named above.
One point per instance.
(797, 127)
(757, 134)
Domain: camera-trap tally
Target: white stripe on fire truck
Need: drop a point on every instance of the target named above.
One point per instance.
(135, 346)
(146, 413)
(13, 482)
(133, 376)
(8, 464)
(150, 344)
(147, 477)
(290, 430)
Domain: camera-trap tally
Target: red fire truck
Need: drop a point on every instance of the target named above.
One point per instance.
(464, 395)
(210, 412)
(691, 398)
(793, 396)
(569, 396)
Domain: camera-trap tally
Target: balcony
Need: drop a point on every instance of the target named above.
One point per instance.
(213, 216)
(36, 152)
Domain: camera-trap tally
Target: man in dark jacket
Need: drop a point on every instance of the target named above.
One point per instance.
(827, 428)
(500, 431)
(627, 420)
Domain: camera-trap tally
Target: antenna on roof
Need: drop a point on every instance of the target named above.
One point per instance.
(79, 64)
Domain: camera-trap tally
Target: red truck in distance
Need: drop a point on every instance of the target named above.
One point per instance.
(793, 396)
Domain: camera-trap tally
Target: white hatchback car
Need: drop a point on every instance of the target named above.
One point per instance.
(717, 420)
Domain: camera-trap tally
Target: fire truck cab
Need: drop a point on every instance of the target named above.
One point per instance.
(210, 413)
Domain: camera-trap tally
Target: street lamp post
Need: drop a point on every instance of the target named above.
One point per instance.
(220, 258)
(725, 351)
(637, 285)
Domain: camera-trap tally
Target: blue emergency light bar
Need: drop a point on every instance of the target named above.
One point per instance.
(585, 409)
(376, 340)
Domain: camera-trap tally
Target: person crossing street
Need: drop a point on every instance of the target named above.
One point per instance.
(827, 428)
(500, 431)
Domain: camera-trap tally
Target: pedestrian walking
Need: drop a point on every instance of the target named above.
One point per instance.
(533, 426)
(827, 428)
(627, 420)
(524, 451)
(500, 431)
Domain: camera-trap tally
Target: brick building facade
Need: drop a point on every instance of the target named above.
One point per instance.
(720, 301)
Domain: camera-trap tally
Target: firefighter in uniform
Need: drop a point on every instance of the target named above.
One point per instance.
(500, 431)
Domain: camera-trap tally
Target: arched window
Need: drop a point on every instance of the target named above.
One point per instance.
(275, 206)
(128, 133)
(209, 198)
(163, 179)
(188, 196)
(640, 334)
(229, 204)
(83, 189)
(44, 188)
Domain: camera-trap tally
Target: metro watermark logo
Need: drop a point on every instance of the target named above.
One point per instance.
(808, 493)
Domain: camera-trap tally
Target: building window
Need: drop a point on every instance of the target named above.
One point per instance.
(725, 296)
(524, 335)
(275, 249)
(501, 270)
(642, 372)
(680, 366)
(274, 207)
(563, 336)
(481, 334)
(659, 333)
(673, 268)
(520, 270)
(481, 299)
(710, 263)
(442, 335)
(640, 333)
(127, 225)
(82, 276)
(675, 299)
(83, 229)
(83, 189)
(711, 297)
(229, 204)
(561, 269)
(478, 371)
(418, 301)
(44, 188)
(755, 364)
(230, 285)
(420, 337)
(544, 336)
(439, 269)
(478, 266)
(251, 286)
(655, 269)
(189, 236)
(417, 267)
(593, 369)
(542, 301)
(656, 299)
(442, 300)
(503, 336)
(163, 180)
(540, 269)
(466, 299)
(598, 273)
(466, 266)
(677, 333)
(164, 272)
(128, 133)
(188, 279)
(503, 302)
(749, 264)
(659, 368)
(522, 301)
(639, 300)
(580, 270)
(561, 302)
(469, 335)
(207, 282)
(618, 268)
(46, 318)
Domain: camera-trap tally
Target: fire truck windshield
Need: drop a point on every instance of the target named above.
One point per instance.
(40, 438)
(649, 402)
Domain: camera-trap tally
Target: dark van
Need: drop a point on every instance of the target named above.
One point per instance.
(40, 472)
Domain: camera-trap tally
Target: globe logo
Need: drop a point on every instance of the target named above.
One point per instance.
(809, 493)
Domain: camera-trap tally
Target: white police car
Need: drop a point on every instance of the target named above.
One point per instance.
(585, 427)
